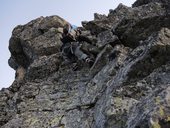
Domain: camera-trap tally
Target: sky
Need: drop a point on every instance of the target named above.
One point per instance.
(20, 12)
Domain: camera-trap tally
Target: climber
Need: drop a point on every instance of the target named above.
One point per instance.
(71, 47)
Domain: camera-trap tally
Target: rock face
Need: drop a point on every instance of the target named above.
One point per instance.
(128, 86)
(143, 2)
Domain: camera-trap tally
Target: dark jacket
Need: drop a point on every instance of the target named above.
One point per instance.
(66, 39)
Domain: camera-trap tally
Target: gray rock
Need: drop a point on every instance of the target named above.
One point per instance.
(37, 38)
(142, 24)
(143, 2)
(106, 23)
(99, 16)
(105, 38)
(44, 66)
(128, 86)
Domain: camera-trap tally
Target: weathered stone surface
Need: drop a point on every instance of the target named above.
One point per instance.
(37, 38)
(117, 92)
(44, 66)
(154, 102)
(142, 24)
(143, 2)
(128, 86)
(99, 16)
(106, 23)
(105, 38)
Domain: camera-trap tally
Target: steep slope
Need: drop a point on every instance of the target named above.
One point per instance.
(128, 86)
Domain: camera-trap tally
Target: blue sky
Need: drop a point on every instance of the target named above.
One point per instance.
(16, 12)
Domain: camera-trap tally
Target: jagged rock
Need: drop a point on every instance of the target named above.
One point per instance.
(120, 12)
(143, 2)
(87, 34)
(105, 38)
(99, 16)
(111, 21)
(153, 103)
(12, 63)
(142, 24)
(37, 38)
(18, 57)
(44, 66)
(102, 58)
(95, 26)
(140, 59)
(128, 85)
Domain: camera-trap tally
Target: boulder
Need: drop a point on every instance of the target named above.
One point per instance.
(37, 38)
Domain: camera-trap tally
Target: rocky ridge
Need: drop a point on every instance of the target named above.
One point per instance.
(127, 86)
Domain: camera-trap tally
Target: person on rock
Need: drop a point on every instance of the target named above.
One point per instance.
(71, 47)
